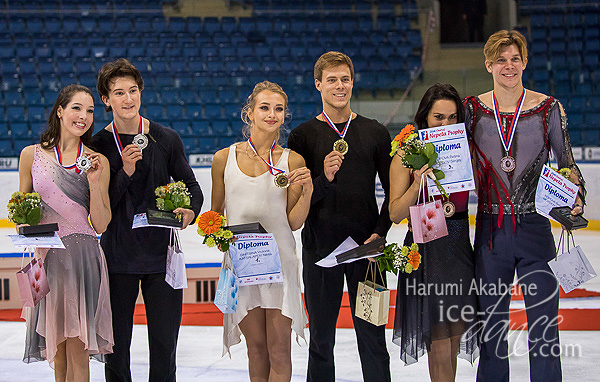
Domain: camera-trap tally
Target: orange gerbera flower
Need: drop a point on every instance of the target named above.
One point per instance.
(404, 133)
(209, 222)
(415, 259)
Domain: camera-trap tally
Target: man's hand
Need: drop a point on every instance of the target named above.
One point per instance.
(374, 236)
(187, 216)
(130, 155)
(331, 164)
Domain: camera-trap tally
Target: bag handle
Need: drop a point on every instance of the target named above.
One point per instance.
(561, 243)
(371, 269)
(421, 189)
(23, 258)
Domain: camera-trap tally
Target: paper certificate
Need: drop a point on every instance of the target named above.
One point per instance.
(255, 258)
(454, 158)
(553, 190)
(21, 241)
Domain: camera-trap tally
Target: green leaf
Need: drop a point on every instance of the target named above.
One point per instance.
(416, 161)
(169, 205)
(439, 174)
(34, 216)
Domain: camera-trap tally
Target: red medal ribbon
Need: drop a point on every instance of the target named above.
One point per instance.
(71, 166)
(116, 134)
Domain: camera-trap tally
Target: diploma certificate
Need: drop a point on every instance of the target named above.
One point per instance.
(553, 190)
(255, 258)
(454, 158)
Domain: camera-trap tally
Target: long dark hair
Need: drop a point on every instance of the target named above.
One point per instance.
(51, 136)
(435, 93)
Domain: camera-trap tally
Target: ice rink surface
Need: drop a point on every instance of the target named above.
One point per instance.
(199, 351)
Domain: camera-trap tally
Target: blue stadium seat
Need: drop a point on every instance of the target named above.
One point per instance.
(52, 25)
(200, 127)
(13, 98)
(33, 98)
(150, 97)
(246, 24)
(70, 25)
(6, 147)
(154, 112)
(177, 24)
(10, 81)
(193, 110)
(231, 111)
(189, 144)
(212, 110)
(7, 51)
(228, 24)
(220, 126)
(211, 25)
(207, 145)
(20, 144)
(36, 113)
(174, 112)
(19, 129)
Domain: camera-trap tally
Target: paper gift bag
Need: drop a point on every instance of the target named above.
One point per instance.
(427, 219)
(33, 284)
(227, 292)
(572, 268)
(226, 295)
(175, 274)
(372, 301)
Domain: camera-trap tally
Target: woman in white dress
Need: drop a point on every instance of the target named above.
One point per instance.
(243, 185)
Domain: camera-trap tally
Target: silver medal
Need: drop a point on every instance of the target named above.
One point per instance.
(83, 163)
(141, 141)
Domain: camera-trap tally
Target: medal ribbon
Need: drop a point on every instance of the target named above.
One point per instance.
(342, 133)
(271, 167)
(510, 133)
(72, 166)
(116, 134)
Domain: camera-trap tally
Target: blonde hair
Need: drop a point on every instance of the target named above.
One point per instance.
(501, 39)
(330, 60)
(251, 103)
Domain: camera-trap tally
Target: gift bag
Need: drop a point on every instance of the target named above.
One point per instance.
(175, 274)
(571, 268)
(372, 300)
(227, 288)
(427, 219)
(33, 284)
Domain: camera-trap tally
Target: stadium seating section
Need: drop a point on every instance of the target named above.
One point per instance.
(197, 71)
(564, 44)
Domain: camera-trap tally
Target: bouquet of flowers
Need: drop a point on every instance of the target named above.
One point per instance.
(405, 259)
(24, 208)
(210, 225)
(172, 196)
(415, 154)
(565, 172)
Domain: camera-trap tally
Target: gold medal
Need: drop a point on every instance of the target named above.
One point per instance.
(449, 208)
(341, 146)
(282, 181)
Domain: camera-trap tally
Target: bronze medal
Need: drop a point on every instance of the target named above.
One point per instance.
(508, 164)
(282, 181)
(449, 208)
(341, 146)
